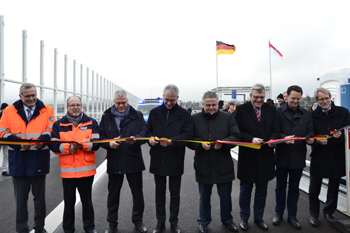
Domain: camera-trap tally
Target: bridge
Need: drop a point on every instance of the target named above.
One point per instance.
(96, 92)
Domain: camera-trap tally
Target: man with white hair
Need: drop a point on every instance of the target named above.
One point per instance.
(328, 155)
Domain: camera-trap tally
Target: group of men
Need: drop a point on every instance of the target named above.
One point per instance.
(169, 129)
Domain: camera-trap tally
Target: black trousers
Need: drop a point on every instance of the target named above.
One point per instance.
(174, 188)
(84, 186)
(22, 186)
(332, 196)
(115, 183)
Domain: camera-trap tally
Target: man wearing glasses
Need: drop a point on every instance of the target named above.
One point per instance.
(124, 158)
(167, 122)
(77, 162)
(294, 121)
(258, 122)
(28, 118)
(328, 155)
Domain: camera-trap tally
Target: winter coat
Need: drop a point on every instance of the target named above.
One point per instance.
(256, 166)
(169, 161)
(328, 161)
(126, 158)
(293, 156)
(214, 166)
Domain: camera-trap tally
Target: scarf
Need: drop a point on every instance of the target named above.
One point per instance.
(74, 121)
(119, 116)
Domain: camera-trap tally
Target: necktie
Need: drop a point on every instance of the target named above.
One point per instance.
(29, 110)
(257, 114)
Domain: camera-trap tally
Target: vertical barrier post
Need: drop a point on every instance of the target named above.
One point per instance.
(347, 162)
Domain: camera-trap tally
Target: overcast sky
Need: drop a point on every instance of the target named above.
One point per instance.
(144, 45)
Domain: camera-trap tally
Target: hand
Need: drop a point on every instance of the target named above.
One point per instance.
(290, 142)
(130, 141)
(218, 146)
(37, 145)
(206, 146)
(337, 134)
(257, 140)
(77, 146)
(322, 141)
(113, 144)
(25, 147)
(310, 141)
(153, 141)
(165, 142)
(272, 144)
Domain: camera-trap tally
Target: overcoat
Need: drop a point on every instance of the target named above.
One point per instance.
(300, 124)
(328, 161)
(256, 166)
(214, 166)
(126, 158)
(169, 161)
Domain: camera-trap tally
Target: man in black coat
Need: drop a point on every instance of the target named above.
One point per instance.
(328, 155)
(257, 122)
(294, 121)
(166, 123)
(213, 162)
(122, 120)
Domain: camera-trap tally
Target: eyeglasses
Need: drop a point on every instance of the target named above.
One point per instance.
(74, 105)
(29, 96)
(120, 103)
(258, 97)
(324, 99)
(173, 101)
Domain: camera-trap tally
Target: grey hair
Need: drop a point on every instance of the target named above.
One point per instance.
(210, 94)
(72, 97)
(324, 91)
(26, 86)
(172, 89)
(258, 87)
(120, 93)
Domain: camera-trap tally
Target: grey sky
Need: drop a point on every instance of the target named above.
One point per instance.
(144, 45)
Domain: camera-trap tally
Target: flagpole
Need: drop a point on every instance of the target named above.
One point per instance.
(217, 77)
(270, 72)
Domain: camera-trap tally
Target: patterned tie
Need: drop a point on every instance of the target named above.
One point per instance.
(257, 114)
(29, 110)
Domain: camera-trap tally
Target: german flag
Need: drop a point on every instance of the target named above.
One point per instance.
(222, 48)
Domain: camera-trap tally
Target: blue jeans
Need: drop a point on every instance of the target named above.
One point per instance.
(259, 199)
(293, 190)
(224, 191)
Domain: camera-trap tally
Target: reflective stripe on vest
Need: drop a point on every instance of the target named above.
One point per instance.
(78, 169)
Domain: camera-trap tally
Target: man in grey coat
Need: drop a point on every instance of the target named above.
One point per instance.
(213, 162)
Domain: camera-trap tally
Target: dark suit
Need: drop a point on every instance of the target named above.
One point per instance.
(327, 161)
(175, 123)
(255, 166)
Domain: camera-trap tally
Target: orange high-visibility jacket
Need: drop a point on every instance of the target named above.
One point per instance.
(82, 162)
(14, 124)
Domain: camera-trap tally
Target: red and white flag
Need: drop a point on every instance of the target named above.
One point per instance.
(274, 51)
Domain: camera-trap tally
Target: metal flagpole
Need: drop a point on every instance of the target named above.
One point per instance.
(217, 77)
(270, 72)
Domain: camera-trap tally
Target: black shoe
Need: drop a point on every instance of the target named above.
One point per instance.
(294, 223)
(277, 219)
(261, 224)
(314, 221)
(231, 227)
(7, 174)
(329, 217)
(141, 228)
(40, 230)
(112, 230)
(175, 228)
(203, 228)
(91, 231)
(244, 225)
(159, 228)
